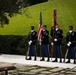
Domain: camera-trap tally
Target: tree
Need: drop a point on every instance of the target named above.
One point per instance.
(9, 8)
(32, 2)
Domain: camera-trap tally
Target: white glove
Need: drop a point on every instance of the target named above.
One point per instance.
(68, 44)
(55, 39)
(40, 43)
(30, 42)
(40, 40)
(52, 44)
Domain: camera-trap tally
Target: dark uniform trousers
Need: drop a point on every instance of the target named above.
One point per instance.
(45, 51)
(32, 51)
(57, 52)
(71, 52)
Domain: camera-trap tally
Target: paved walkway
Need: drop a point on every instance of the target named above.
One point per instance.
(21, 60)
(38, 70)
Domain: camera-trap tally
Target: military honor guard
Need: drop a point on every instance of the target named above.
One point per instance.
(44, 43)
(32, 38)
(56, 35)
(71, 39)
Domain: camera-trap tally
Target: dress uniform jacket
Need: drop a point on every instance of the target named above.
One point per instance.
(33, 37)
(45, 37)
(58, 35)
(71, 37)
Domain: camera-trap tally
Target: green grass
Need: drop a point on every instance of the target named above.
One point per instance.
(20, 24)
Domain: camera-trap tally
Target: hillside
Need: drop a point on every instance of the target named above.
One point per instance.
(20, 24)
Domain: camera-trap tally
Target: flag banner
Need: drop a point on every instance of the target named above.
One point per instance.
(40, 27)
(54, 20)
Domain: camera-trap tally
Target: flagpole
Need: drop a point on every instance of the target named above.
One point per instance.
(39, 30)
(54, 22)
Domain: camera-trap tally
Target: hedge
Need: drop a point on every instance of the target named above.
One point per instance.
(16, 44)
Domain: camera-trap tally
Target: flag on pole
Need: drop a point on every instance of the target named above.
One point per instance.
(54, 23)
(40, 27)
(54, 20)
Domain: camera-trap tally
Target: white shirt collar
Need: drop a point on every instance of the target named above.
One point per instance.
(70, 31)
(32, 31)
(57, 29)
(43, 30)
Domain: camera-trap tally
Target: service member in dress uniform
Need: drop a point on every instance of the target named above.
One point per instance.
(57, 42)
(32, 38)
(44, 43)
(70, 38)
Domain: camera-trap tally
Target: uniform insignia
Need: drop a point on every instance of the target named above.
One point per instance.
(72, 33)
(34, 33)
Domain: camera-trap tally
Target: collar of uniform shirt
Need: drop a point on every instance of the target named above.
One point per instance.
(43, 30)
(32, 31)
(70, 31)
(57, 29)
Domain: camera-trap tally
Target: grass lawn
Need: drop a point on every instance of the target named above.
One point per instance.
(20, 24)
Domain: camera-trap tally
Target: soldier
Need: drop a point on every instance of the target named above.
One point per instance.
(70, 38)
(57, 42)
(45, 43)
(32, 38)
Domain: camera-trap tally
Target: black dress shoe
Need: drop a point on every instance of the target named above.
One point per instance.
(29, 59)
(60, 61)
(48, 60)
(68, 62)
(55, 61)
(35, 59)
(42, 60)
(74, 62)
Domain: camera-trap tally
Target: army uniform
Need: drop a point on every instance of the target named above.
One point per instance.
(44, 44)
(32, 38)
(71, 38)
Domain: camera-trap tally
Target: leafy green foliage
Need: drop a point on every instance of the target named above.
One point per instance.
(16, 44)
(9, 7)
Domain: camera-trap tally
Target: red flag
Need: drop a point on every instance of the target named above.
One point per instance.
(54, 21)
(40, 27)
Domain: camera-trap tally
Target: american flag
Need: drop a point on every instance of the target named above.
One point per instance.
(40, 27)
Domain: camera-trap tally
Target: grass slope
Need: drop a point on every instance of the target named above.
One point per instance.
(66, 15)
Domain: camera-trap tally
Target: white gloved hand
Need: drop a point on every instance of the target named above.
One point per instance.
(40, 40)
(30, 42)
(68, 44)
(40, 43)
(52, 44)
(55, 39)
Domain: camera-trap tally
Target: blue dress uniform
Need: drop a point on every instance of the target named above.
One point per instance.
(71, 39)
(57, 42)
(44, 44)
(32, 37)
